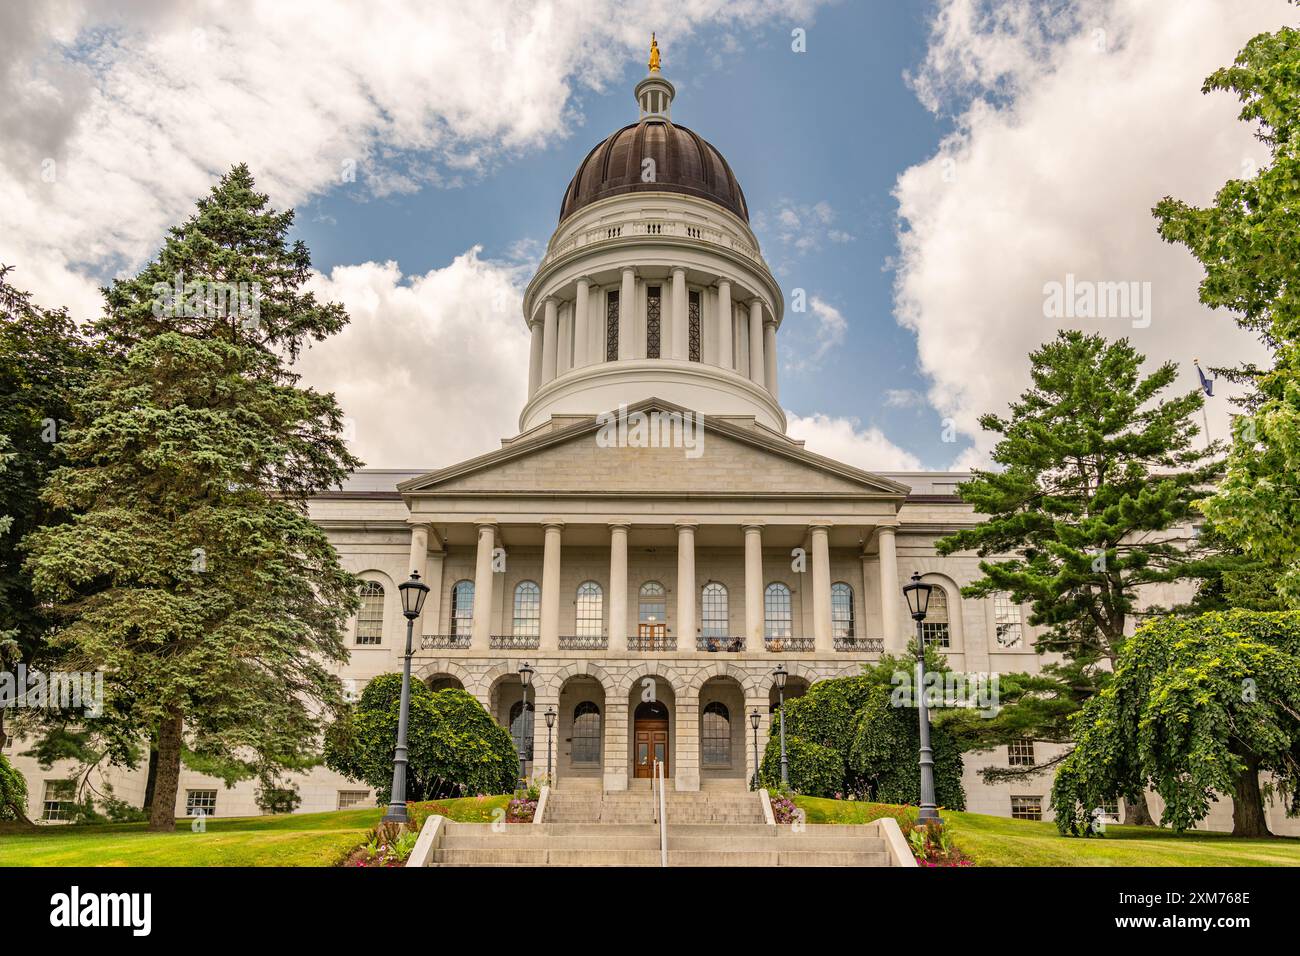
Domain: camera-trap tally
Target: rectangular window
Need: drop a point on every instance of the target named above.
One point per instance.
(653, 320)
(200, 801)
(57, 804)
(1007, 619)
(1020, 753)
(693, 325)
(611, 325)
(352, 798)
(1027, 808)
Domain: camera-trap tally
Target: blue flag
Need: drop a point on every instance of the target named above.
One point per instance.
(1207, 385)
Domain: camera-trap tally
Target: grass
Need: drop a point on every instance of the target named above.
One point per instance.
(1001, 841)
(300, 839)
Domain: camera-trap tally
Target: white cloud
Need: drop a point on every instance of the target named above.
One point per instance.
(433, 369)
(903, 398)
(1070, 128)
(800, 227)
(844, 439)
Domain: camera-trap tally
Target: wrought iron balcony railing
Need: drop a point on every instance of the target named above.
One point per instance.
(661, 643)
(860, 645)
(512, 642)
(720, 644)
(789, 645)
(429, 642)
(583, 642)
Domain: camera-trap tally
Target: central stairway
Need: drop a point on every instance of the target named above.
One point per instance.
(705, 828)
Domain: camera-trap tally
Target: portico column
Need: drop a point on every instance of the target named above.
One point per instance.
(418, 559)
(726, 357)
(550, 340)
(821, 586)
(550, 637)
(581, 327)
(535, 357)
(680, 332)
(753, 587)
(769, 356)
(895, 639)
(626, 314)
(618, 587)
(686, 585)
(433, 603)
(482, 625)
(756, 364)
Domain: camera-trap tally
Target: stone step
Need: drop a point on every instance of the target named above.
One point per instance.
(716, 843)
(501, 856)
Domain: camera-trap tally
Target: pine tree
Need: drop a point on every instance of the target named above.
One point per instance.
(190, 571)
(1098, 470)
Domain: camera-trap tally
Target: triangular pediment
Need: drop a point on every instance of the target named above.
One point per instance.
(659, 448)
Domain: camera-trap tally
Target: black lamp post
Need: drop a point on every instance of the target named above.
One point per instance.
(525, 678)
(550, 722)
(413, 594)
(918, 602)
(754, 718)
(781, 674)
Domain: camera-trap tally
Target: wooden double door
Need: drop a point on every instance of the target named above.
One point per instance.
(651, 744)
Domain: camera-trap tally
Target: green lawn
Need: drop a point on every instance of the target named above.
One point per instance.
(303, 839)
(1000, 841)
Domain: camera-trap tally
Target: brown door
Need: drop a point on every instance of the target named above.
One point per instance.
(652, 636)
(651, 745)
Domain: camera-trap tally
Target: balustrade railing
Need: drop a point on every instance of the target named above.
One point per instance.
(583, 642)
(661, 643)
(732, 645)
(429, 642)
(789, 645)
(512, 642)
(860, 645)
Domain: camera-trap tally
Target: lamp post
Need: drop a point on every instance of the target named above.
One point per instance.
(413, 593)
(754, 718)
(918, 602)
(525, 678)
(780, 674)
(550, 722)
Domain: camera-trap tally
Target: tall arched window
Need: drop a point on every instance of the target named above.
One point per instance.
(777, 618)
(370, 619)
(715, 735)
(590, 615)
(842, 611)
(462, 607)
(714, 620)
(521, 728)
(654, 604)
(586, 733)
(934, 629)
(528, 610)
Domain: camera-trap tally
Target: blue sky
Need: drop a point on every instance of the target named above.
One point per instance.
(833, 125)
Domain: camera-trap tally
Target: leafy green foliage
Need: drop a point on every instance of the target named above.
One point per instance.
(1249, 244)
(455, 747)
(1197, 709)
(13, 792)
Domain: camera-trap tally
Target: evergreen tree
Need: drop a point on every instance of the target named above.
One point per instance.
(190, 571)
(1098, 470)
(1249, 243)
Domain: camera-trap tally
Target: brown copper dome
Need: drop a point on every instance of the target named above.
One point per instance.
(684, 163)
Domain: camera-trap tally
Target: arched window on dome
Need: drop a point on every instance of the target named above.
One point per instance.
(693, 325)
(653, 320)
(611, 325)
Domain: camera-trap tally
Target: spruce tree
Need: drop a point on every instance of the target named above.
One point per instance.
(190, 571)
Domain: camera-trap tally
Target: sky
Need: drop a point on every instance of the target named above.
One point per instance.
(924, 171)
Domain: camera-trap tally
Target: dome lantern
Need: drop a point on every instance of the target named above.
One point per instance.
(655, 94)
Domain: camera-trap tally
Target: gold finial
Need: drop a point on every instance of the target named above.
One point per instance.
(654, 54)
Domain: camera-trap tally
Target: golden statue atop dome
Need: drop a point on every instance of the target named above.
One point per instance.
(654, 54)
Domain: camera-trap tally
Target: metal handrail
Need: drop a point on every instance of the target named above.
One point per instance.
(663, 814)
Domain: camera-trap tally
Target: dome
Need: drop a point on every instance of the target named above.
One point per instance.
(684, 162)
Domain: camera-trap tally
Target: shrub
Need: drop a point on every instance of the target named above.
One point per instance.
(13, 792)
(814, 770)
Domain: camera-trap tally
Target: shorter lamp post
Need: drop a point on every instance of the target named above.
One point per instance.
(754, 718)
(780, 674)
(550, 722)
(918, 602)
(525, 678)
(413, 592)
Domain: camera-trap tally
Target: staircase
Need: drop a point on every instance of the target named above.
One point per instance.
(720, 828)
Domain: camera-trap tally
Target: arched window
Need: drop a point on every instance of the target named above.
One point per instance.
(715, 735)
(590, 611)
(714, 622)
(528, 610)
(934, 629)
(586, 733)
(777, 618)
(462, 607)
(521, 728)
(654, 604)
(370, 619)
(842, 611)
(1007, 619)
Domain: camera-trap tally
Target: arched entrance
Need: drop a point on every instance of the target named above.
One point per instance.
(722, 729)
(650, 739)
(581, 730)
(437, 682)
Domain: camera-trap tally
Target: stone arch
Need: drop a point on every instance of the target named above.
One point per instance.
(652, 669)
(554, 683)
(432, 668)
(750, 682)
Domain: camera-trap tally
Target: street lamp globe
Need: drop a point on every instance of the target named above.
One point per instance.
(918, 597)
(413, 592)
(780, 674)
